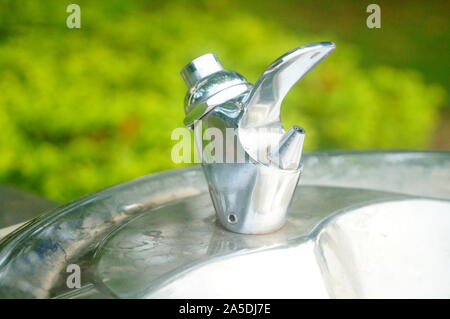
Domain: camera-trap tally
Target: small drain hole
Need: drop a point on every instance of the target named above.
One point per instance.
(232, 219)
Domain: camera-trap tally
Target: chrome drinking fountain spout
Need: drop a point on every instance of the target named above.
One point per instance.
(252, 165)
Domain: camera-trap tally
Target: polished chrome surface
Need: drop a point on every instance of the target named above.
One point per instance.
(250, 195)
(200, 68)
(264, 102)
(375, 228)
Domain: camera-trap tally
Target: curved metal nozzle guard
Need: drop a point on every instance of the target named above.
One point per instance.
(252, 165)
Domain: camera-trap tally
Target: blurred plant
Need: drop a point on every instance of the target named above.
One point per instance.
(84, 109)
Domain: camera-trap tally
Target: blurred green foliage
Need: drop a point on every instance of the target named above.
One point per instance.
(84, 109)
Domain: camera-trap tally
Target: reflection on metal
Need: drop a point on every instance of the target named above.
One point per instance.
(377, 227)
(252, 196)
(7, 230)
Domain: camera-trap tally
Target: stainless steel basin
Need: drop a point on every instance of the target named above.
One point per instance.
(361, 225)
(398, 249)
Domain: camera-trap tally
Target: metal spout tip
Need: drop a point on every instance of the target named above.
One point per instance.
(329, 44)
(288, 152)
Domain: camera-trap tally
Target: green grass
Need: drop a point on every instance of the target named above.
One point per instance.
(84, 109)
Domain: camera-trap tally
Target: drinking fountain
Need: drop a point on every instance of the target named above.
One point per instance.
(252, 187)
(360, 224)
